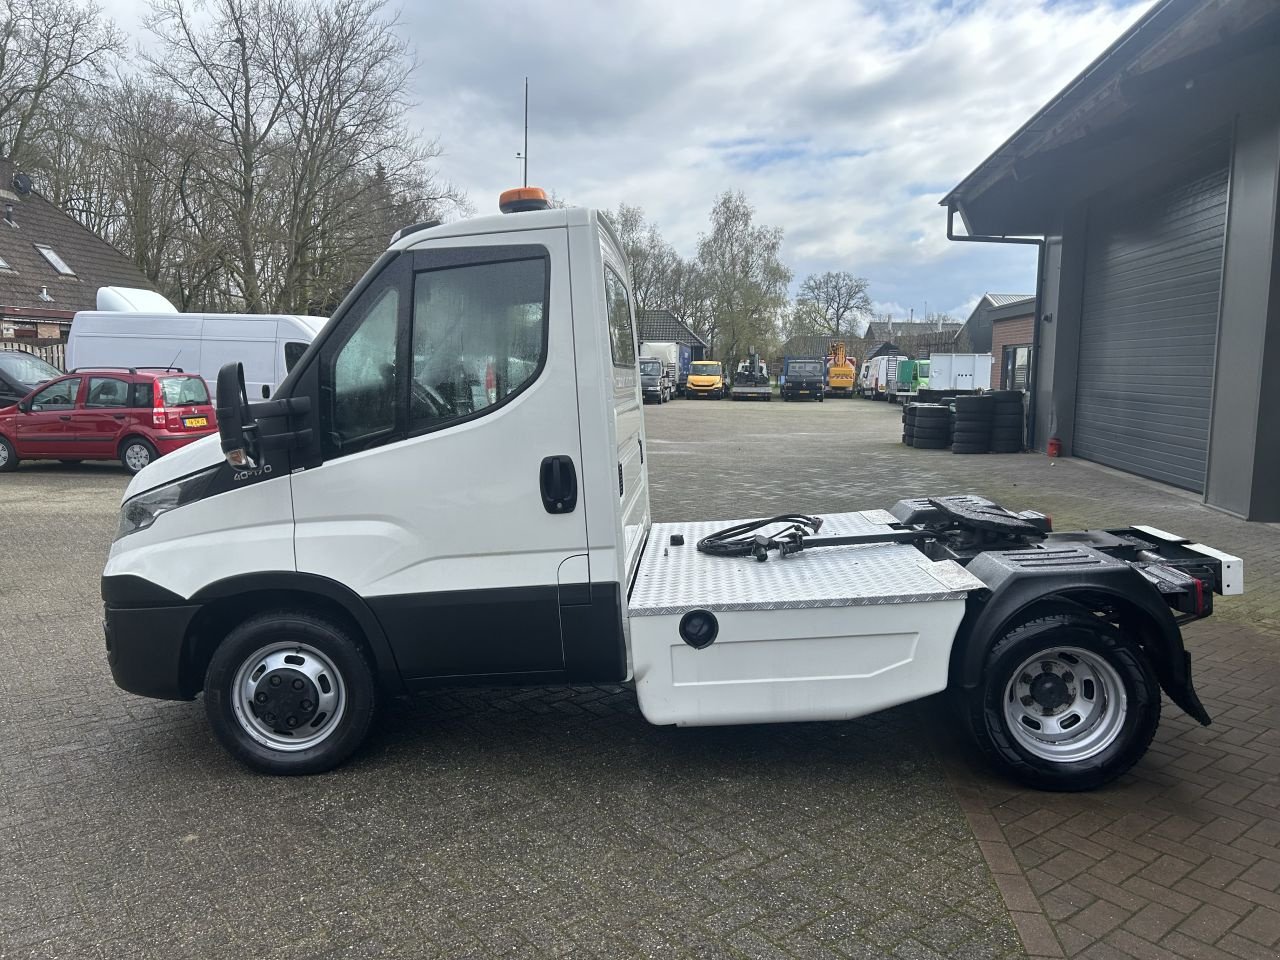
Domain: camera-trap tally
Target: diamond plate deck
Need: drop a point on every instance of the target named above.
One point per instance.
(671, 579)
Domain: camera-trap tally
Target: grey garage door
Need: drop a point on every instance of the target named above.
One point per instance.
(1148, 333)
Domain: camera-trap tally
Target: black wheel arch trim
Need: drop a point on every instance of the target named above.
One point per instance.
(295, 582)
(991, 613)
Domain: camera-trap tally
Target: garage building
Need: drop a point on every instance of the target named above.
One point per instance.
(1150, 184)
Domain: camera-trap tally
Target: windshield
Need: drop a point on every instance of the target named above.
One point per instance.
(809, 368)
(27, 368)
(702, 369)
(651, 368)
(183, 391)
(922, 368)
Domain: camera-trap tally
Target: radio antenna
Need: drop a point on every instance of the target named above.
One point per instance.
(524, 154)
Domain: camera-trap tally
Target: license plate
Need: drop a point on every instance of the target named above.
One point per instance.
(196, 421)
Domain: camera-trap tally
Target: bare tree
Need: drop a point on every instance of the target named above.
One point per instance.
(50, 51)
(834, 303)
(655, 265)
(744, 277)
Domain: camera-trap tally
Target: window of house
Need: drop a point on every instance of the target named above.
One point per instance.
(1016, 362)
(479, 337)
(622, 343)
(4, 266)
(55, 261)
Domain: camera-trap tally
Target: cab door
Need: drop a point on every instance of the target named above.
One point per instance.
(449, 492)
(44, 431)
(102, 417)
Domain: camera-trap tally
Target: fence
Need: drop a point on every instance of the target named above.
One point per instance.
(50, 351)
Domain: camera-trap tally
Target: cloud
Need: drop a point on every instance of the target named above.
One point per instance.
(843, 122)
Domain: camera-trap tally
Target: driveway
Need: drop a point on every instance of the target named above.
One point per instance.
(556, 822)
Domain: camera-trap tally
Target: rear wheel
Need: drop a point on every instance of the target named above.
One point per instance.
(289, 693)
(1067, 702)
(8, 456)
(136, 453)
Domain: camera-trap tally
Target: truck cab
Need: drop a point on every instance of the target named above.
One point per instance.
(656, 384)
(706, 379)
(451, 488)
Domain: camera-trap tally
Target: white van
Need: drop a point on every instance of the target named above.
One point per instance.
(451, 488)
(268, 345)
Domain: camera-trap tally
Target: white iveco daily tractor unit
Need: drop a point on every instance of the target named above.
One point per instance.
(450, 487)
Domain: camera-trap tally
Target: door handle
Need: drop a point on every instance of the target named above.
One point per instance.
(558, 480)
(117, 416)
(64, 418)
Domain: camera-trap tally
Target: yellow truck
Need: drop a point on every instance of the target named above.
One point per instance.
(706, 379)
(840, 371)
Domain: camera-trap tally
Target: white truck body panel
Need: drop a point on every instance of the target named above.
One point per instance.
(196, 342)
(829, 634)
(961, 372)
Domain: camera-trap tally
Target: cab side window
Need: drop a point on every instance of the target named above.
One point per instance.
(359, 380)
(622, 343)
(57, 396)
(479, 337)
(106, 392)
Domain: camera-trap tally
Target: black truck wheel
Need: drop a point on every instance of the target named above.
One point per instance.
(1067, 702)
(290, 693)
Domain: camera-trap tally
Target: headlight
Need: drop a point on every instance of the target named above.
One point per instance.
(141, 511)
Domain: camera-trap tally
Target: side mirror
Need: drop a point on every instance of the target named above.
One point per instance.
(266, 392)
(236, 425)
(24, 406)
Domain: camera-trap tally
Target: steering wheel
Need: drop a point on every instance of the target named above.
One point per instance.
(985, 518)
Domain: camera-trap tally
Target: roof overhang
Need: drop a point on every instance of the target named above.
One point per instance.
(1169, 87)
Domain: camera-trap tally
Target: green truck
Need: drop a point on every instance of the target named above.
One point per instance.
(911, 378)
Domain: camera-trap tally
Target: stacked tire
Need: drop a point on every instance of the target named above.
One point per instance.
(1006, 421)
(974, 419)
(928, 426)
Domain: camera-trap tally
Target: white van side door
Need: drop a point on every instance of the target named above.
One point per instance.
(449, 494)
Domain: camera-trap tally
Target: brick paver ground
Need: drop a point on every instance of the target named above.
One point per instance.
(1181, 858)
(557, 823)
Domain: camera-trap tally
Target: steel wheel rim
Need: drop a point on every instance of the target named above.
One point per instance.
(136, 456)
(4, 454)
(1065, 704)
(284, 659)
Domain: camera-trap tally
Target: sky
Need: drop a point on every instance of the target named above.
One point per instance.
(843, 121)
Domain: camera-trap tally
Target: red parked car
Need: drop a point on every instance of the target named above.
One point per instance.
(107, 413)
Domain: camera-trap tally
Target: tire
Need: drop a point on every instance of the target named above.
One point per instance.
(1005, 396)
(929, 434)
(1004, 408)
(335, 671)
(929, 443)
(957, 447)
(821, 398)
(136, 453)
(1118, 720)
(971, 437)
(1006, 436)
(1014, 447)
(8, 456)
(1000, 420)
(979, 405)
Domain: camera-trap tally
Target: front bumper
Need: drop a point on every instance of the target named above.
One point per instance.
(146, 633)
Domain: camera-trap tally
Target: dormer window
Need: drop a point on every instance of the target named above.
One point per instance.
(4, 266)
(55, 261)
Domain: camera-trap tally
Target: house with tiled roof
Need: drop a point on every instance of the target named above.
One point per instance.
(50, 265)
(663, 326)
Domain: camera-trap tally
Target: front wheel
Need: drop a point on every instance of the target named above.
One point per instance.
(1067, 702)
(8, 456)
(290, 693)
